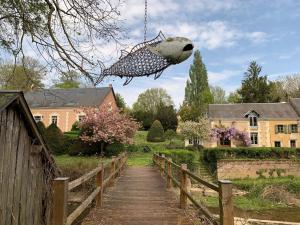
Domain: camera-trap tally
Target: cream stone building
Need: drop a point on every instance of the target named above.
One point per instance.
(268, 124)
(64, 106)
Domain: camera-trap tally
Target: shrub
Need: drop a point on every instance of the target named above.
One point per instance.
(75, 126)
(72, 134)
(79, 147)
(41, 127)
(170, 135)
(114, 149)
(54, 139)
(181, 156)
(132, 148)
(212, 155)
(156, 132)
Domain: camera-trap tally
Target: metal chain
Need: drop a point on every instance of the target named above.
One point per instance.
(145, 21)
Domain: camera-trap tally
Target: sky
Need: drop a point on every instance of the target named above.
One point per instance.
(228, 33)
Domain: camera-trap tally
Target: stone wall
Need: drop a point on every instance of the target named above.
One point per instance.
(234, 169)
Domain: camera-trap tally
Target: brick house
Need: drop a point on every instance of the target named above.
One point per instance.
(268, 124)
(63, 106)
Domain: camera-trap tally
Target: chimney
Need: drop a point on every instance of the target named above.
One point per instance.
(110, 85)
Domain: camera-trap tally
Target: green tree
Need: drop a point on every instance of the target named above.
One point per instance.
(120, 101)
(255, 88)
(234, 97)
(219, 95)
(69, 79)
(170, 135)
(54, 139)
(156, 132)
(197, 92)
(151, 100)
(188, 113)
(167, 116)
(25, 75)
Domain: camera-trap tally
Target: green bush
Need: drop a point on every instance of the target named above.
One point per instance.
(156, 132)
(72, 134)
(41, 127)
(54, 139)
(79, 147)
(181, 157)
(114, 149)
(212, 155)
(75, 126)
(133, 148)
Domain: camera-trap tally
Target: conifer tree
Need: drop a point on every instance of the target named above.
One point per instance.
(197, 92)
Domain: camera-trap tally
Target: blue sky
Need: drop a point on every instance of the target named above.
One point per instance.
(229, 34)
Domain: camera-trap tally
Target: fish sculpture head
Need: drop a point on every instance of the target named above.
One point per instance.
(174, 49)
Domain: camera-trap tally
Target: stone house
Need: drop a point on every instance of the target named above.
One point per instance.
(268, 124)
(64, 106)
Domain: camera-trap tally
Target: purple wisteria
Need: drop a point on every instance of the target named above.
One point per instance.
(231, 134)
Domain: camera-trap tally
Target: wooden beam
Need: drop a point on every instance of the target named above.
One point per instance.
(225, 203)
(183, 187)
(169, 181)
(60, 198)
(99, 183)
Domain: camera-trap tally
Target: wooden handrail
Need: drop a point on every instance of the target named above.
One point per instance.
(224, 188)
(61, 187)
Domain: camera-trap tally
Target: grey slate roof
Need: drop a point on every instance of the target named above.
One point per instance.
(55, 98)
(296, 104)
(265, 110)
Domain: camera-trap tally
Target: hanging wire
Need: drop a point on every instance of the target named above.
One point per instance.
(145, 21)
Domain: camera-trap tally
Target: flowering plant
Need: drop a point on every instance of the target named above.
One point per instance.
(230, 134)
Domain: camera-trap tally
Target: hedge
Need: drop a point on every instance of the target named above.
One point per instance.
(212, 155)
(181, 157)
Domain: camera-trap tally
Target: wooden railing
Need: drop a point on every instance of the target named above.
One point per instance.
(61, 187)
(224, 188)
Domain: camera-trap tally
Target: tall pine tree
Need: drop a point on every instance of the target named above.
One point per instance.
(197, 92)
(255, 88)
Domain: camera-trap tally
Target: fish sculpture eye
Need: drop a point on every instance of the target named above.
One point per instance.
(149, 58)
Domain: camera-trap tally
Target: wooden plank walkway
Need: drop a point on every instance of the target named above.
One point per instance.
(139, 197)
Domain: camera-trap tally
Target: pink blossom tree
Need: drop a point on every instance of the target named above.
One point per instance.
(231, 134)
(107, 125)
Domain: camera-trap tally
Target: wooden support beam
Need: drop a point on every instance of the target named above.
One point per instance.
(169, 180)
(60, 198)
(183, 187)
(225, 203)
(112, 171)
(99, 183)
(162, 165)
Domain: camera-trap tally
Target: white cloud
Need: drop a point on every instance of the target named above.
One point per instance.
(216, 78)
(210, 35)
(212, 5)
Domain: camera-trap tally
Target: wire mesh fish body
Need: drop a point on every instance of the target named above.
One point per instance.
(149, 58)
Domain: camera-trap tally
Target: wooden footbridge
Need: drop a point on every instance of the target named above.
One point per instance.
(141, 196)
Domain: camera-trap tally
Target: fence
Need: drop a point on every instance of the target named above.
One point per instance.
(61, 187)
(224, 188)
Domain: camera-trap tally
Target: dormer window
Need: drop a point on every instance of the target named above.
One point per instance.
(253, 121)
(253, 118)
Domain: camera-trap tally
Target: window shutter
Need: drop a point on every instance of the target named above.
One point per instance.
(289, 129)
(285, 129)
(276, 129)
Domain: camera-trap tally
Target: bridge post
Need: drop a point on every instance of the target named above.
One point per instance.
(163, 163)
(112, 171)
(169, 180)
(225, 202)
(99, 183)
(60, 198)
(183, 187)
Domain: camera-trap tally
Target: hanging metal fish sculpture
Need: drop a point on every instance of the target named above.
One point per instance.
(148, 58)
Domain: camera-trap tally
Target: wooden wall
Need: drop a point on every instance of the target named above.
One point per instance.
(24, 176)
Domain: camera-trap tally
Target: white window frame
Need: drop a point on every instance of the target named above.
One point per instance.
(38, 115)
(295, 141)
(296, 128)
(277, 142)
(57, 118)
(252, 137)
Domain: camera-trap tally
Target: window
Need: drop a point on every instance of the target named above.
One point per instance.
(81, 117)
(277, 144)
(54, 119)
(224, 141)
(280, 129)
(194, 141)
(37, 118)
(294, 128)
(254, 138)
(253, 121)
(293, 143)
